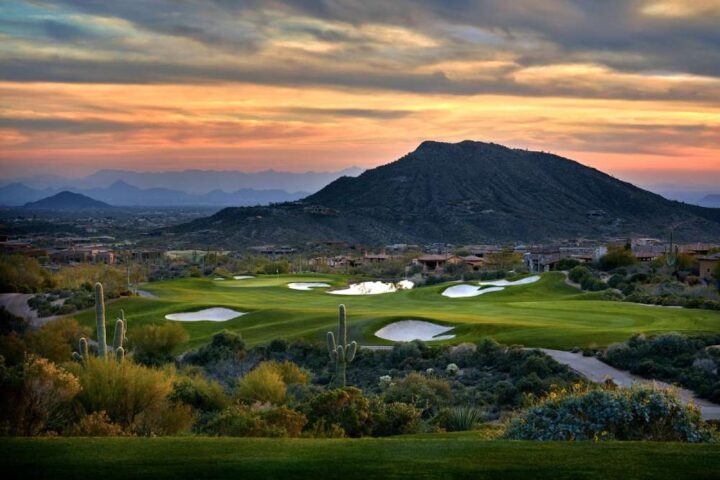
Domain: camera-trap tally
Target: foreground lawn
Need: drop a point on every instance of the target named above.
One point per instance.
(425, 456)
(547, 313)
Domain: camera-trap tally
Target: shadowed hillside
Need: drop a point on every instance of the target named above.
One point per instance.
(466, 192)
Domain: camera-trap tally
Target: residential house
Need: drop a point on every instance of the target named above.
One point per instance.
(708, 264)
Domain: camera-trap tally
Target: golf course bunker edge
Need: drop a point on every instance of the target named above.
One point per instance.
(215, 314)
(409, 330)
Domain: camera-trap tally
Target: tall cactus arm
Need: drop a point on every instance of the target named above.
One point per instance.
(120, 354)
(100, 320)
(351, 350)
(332, 347)
(82, 353)
(342, 326)
(119, 337)
(125, 324)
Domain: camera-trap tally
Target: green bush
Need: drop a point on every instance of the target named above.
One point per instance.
(427, 393)
(245, 421)
(56, 340)
(345, 408)
(153, 345)
(262, 384)
(224, 346)
(393, 418)
(133, 396)
(640, 413)
(35, 397)
(616, 257)
(97, 424)
(22, 274)
(579, 273)
(200, 393)
(567, 264)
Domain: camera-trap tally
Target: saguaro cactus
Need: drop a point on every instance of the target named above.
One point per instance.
(341, 352)
(118, 351)
(100, 319)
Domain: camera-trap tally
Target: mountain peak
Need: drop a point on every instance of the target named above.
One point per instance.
(470, 192)
(66, 200)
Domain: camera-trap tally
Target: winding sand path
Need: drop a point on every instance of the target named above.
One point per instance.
(597, 371)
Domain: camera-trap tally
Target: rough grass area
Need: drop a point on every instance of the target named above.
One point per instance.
(445, 456)
(548, 313)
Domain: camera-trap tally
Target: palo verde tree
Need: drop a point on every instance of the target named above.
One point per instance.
(341, 352)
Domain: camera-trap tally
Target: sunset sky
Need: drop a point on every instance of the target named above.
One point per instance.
(631, 87)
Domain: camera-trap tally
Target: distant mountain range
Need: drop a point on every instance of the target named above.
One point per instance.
(194, 182)
(464, 192)
(123, 194)
(68, 201)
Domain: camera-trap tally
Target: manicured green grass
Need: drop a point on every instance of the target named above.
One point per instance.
(446, 456)
(548, 313)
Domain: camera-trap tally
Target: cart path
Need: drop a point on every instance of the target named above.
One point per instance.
(597, 371)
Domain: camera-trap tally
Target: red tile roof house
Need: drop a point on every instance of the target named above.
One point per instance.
(436, 262)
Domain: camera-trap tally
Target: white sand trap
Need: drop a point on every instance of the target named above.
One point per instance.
(307, 286)
(373, 288)
(506, 283)
(216, 314)
(463, 291)
(408, 330)
(217, 279)
(243, 277)
(404, 285)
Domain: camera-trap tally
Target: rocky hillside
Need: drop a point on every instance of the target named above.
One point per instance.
(465, 192)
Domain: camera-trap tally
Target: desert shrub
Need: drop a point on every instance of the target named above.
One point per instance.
(612, 414)
(133, 396)
(153, 345)
(35, 397)
(567, 264)
(262, 384)
(13, 348)
(224, 346)
(12, 323)
(461, 418)
(612, 295)
(279, 266)
(394, 418)
(345, 408)
(246, 421)
(85, 275)
(290, 372)
(56, 340)
(22, 274)
(671, 357)
(424, 392)
(200, 393)
(97, 424)
(579, 273)
(617, 256)
(616, 280)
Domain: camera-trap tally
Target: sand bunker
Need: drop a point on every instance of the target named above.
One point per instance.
(306, 286)
(408, 330)
(243, 277)
(374, 288)
(462, 291)
(217, 314)
(218, 279)
(506, 283)
(404, 285)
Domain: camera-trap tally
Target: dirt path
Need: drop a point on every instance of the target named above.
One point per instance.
(16, 303)
(597, 371)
